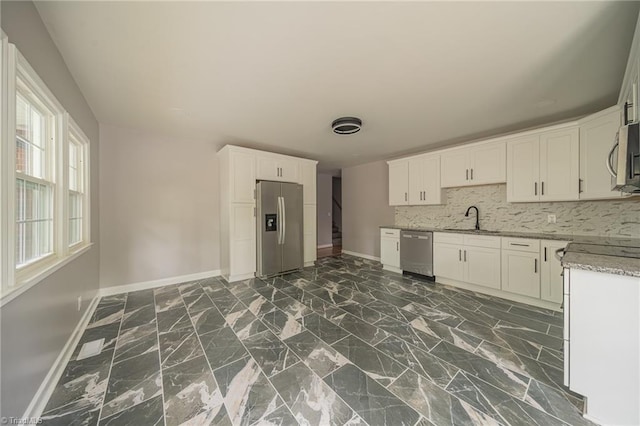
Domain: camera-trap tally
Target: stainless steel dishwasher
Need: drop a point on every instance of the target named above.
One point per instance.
(416, 252)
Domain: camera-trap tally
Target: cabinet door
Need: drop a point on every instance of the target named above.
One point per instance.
(559, 165)
(243, 177)
(390, 251)
(243, 243)
(454, 169)
(310, 233)
(523, 169)
(521, 272)
(447, 261)
(551, 271)
(267, 167)
(288, 170)
(488, 164)
(416, 187)
(432, 192)
(596, 139)
(399, 183)
(308, 181)
(482, 266)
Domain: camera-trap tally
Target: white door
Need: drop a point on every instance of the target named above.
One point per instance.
(416, 187)
(399, 183)
(390, 251)
(432, 192)
(596, 139)
(308, 180)
(551, 271)
(267, 167)
(482, 266)
(454, 168)
(288, 170)
(521, 272)
(523, 169)
(488, 164)
(559, 165)
(447, 261)
(243, 177)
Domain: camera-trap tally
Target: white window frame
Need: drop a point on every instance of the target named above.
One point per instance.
(85, 176)
(15, 281)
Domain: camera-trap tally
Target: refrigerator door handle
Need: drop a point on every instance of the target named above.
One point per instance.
(284, 221)
(279, 220)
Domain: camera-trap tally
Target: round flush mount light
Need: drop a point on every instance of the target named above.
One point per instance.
(346, 125)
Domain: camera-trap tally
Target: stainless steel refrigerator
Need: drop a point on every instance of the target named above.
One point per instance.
(279, 227)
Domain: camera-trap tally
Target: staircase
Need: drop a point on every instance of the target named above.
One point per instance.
(337, 235)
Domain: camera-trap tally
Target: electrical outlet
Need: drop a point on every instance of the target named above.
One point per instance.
(79, 302)
(551, 218)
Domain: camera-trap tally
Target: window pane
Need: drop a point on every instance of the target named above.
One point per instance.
(23, 118)
(20, 200)
(30, 139)
(34, 221)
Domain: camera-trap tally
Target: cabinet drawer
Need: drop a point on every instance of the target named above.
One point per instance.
(388, 232)
(521, 244)
(447, 238)
(481, 241)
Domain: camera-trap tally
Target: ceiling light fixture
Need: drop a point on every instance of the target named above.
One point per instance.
(346, 125)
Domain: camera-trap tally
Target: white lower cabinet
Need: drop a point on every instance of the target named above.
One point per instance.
(310, 234)
(521, 266)
(469, 258)
(390, 249)
(551, 271)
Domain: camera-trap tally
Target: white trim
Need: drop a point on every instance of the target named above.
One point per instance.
(40, 399)
(362, 255)
(41, 275)
(311, 263)
(239, 277)
(144, 285)
(325, 246)
(632, 62)
(500, 293)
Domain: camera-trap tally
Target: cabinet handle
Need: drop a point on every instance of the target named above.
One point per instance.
(535, 266)
(467, 178)
(471, 174)
(405, 196)
(579, 186)
(542, 188)
(535, 188)
(397, 246)
(465, 255)
(519, 244)
(459, 255)
(545, 254)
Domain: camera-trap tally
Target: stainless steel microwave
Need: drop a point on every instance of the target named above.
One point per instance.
(625, 167)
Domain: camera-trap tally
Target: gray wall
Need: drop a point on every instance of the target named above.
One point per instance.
(160, 205)
(37, 324)
(324, 209)
(365, 207)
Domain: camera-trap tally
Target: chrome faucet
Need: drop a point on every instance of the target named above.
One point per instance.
(477, 218)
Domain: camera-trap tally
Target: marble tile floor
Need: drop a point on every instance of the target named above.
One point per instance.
(342, 343)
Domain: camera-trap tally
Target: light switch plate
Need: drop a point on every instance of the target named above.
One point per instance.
(551, 218)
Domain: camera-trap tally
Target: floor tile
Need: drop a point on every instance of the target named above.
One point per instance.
(365, 331)
(148, 412)
(173, 319)
(283, 325)
(271, 354)
(444, 332)
(323, 328)
(370, 400)
(318, 355)
(179, 346)
(244, 323)
(136, 341)
(222, 347)
(208, 320)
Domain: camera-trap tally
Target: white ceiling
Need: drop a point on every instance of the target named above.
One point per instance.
(274, 75)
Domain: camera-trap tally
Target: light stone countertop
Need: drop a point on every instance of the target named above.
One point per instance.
(620, 256)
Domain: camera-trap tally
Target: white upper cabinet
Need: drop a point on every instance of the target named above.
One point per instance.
(308, 181)
(478, 165)
(277, 168)
(424, 180)
(523, 169)
(242, 176)
(543, 166)
(559, 165)
(399, 183)
(597, 135)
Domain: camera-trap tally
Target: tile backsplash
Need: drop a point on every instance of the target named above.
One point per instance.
(612, 218)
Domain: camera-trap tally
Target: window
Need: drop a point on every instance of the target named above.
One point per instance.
(44, 180)
(34, 171)
(78, 177)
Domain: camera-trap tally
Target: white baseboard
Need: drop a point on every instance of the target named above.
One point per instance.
(240, 277)
(362, 255)
(325, 246)
(40, 399)
(108, 291)
(392, 269)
